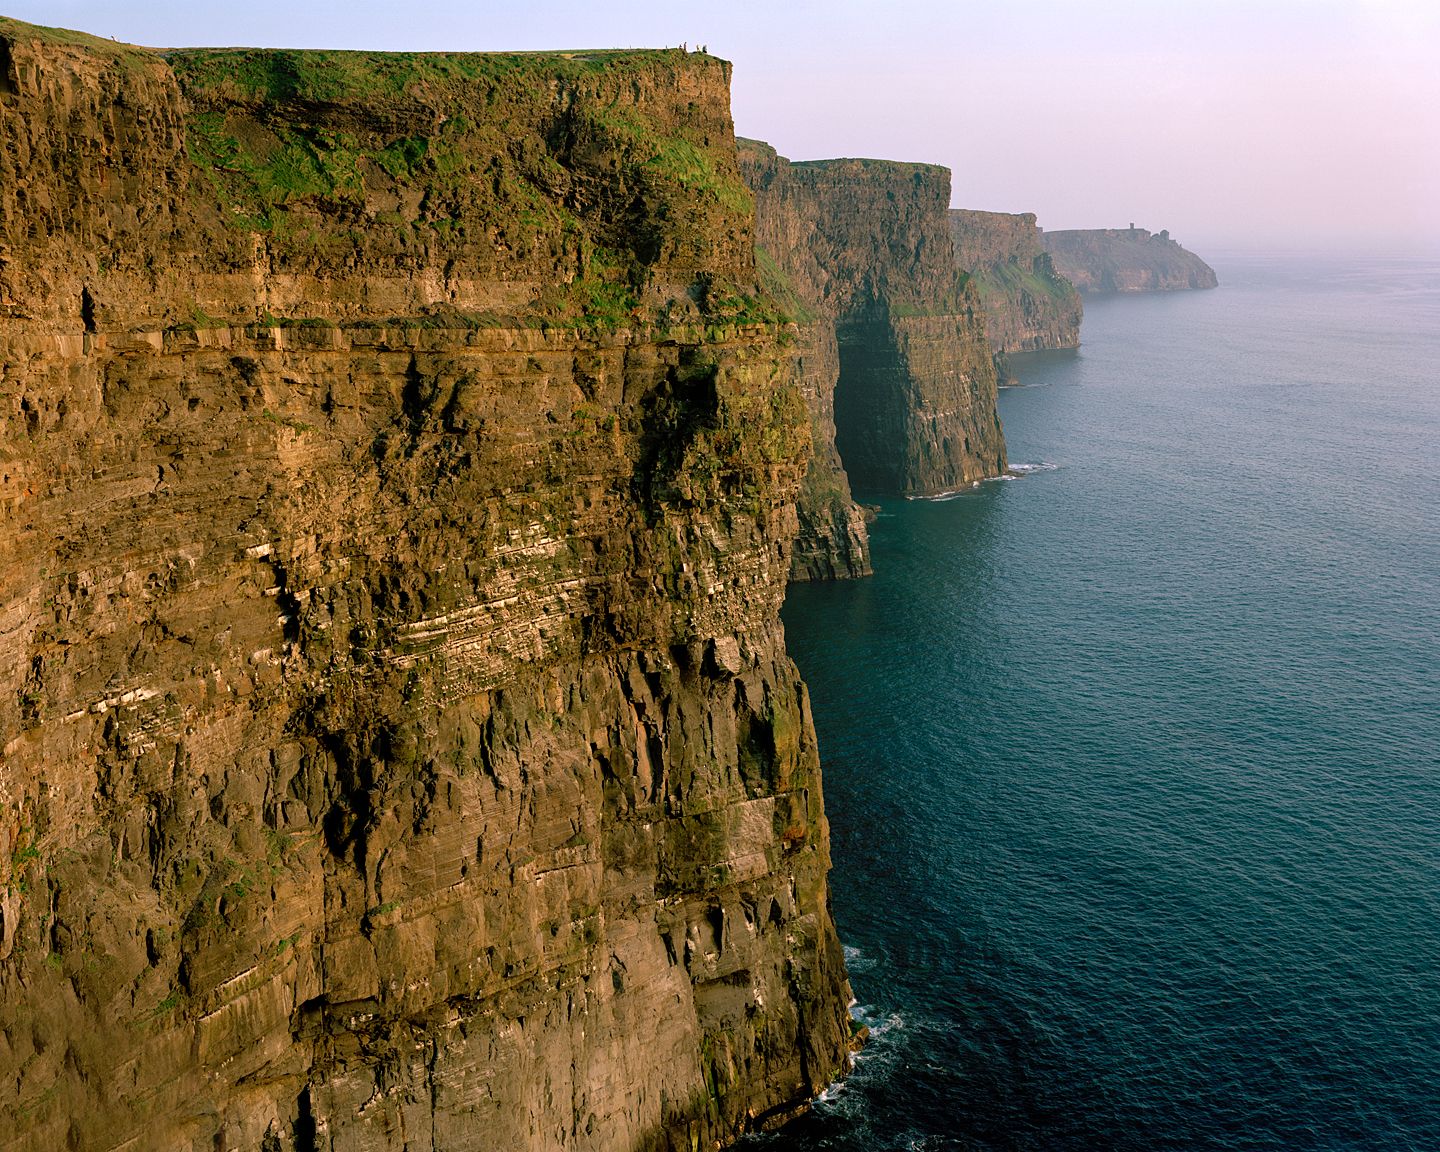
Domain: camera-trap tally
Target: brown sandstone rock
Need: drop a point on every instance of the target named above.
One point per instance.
(1029, 307)
(1130, 259)
(832, 542)
(399, 747)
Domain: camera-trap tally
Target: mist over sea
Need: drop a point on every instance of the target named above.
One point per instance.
(1133, 764)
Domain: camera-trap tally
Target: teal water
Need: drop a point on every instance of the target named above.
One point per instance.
(1133, 764)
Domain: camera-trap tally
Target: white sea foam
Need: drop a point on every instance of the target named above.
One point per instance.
(1012, 472)
(857, 961)
(878, 1022)
(846, 1097)
(1023, 469)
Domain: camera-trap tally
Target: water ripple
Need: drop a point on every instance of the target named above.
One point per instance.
(1133, 769)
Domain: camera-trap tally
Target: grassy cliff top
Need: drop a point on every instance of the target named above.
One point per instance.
(898, 166)
(111, 50)
(903, 166)
(322, 76)
(317, 61)
(605, 179)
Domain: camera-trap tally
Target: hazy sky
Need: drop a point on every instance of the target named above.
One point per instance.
(1233, 124)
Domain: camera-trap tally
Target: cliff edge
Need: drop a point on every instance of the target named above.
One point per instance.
(1029, 306)
(399, 745)
(1099, 260)
(866, 244)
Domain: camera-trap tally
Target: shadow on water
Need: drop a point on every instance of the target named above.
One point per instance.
(1028, 369)
(911, 831)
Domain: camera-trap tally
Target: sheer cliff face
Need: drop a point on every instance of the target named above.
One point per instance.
(867, 243)
(1028, 305)
(832, 542)
(1125, 260)
(400, 749)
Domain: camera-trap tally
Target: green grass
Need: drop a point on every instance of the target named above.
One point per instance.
(914, 170)
(288, 76)
(293, 144)
(127, 56)
(695, 171)
(304, 164)
(950, 304)
(672, 158)
(774, 282)
(287, 422)
(1010, 279)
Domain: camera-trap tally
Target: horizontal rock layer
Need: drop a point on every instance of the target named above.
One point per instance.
(399, 745)
(1131, 259)
(1029, 307)
(832, 542)
(866, 245)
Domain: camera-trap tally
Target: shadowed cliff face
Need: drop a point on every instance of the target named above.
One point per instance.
(1029, 307)
(833, 542)
(399, 749)
(866, 243)
(1125, 260)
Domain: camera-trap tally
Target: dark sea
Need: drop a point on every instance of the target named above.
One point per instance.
(1132, 764)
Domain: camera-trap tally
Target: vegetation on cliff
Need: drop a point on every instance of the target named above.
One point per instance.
(866, 244)
(442, 150)
(1130, 259)
(1028, 305)
(601, 184)
(399, 746)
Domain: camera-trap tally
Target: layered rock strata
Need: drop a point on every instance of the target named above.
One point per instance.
(1029, 307)
(866, 244)
(1101, 260)
(832, 541)
(400, 750)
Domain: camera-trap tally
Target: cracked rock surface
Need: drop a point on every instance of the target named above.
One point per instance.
(397, 488)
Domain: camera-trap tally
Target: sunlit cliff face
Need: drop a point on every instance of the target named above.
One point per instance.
(392, 561)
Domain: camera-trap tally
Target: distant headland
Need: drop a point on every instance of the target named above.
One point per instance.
(1101, 260)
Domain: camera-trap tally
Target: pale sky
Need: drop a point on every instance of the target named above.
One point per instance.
(1256, 124)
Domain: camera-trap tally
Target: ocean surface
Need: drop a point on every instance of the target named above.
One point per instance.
(1132, 764)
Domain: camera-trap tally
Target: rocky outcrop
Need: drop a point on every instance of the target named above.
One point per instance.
(1029, 307)
(1099, 260)
(400, 750)
(866, 245)
(832, 542)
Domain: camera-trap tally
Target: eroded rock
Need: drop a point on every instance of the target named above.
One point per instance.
(399, 748)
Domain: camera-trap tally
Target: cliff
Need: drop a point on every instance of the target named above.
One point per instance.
(400, 749)
(866, 244)
(832, 541)
(1125, 260)
(1029, 306)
